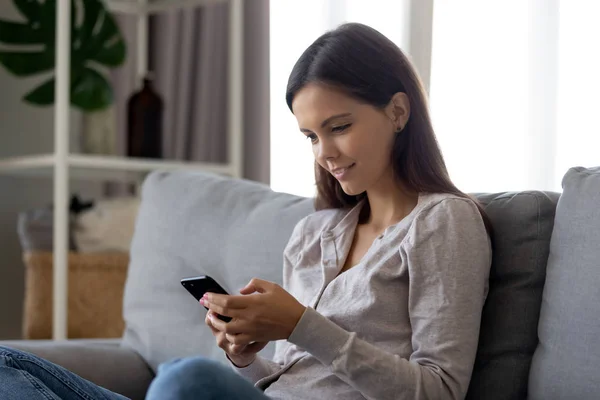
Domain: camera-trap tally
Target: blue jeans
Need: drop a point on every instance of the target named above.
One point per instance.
(24, 376)
(198, 378)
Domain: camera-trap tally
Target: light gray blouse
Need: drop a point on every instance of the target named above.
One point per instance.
(401, 324)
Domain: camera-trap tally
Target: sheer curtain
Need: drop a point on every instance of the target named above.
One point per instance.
(513, 90)
(512, 85)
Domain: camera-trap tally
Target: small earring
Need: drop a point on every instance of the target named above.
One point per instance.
(399, 130)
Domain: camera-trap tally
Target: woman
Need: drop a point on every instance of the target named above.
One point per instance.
(384, 286)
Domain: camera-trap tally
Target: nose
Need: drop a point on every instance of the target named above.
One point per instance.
(326, 149)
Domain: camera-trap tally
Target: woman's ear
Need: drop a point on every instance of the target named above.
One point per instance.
(398, 110)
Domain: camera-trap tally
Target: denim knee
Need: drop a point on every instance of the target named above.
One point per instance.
(185, 378)
(193, 368)
(10, 353)
(7, 350)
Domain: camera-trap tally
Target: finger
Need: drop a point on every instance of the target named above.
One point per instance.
(236, 349)
(222, 342)
(233, 327)
(242, 339)
(208, 321)
(246, 290)
(212, 316)
(215, 332)
(219, 310)
(256, 285)
(225, 301)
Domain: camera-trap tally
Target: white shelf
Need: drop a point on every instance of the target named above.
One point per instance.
(61, 166)
(25, 164)
(141, 164)
(156, 6)
(103, 168)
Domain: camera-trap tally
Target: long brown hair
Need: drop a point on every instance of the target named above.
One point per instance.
(371, 68)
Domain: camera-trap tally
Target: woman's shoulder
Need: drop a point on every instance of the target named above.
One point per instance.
(443, 214)
(445, 204)
(447, 227)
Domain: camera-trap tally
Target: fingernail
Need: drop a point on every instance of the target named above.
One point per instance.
(205, 296)
(202, 301)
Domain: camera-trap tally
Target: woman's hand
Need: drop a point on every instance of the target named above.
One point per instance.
(263, 313)
(240, 355)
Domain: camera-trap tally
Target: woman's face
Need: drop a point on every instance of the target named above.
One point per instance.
(350, 139)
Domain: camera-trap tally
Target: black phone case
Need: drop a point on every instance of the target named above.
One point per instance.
(199, 285)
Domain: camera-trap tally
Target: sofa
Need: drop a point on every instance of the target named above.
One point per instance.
(540, 324)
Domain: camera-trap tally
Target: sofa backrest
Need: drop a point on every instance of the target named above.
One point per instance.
(193, 224)
(522, 225)
(196, 223)
(565, 364)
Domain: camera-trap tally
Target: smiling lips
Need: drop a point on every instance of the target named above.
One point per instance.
(340, 173)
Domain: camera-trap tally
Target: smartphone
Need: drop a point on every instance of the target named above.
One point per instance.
(199, 285)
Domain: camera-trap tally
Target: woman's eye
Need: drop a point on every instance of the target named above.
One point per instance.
(312, 137)
(340, 128)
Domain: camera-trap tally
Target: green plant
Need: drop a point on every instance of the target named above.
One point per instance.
(95, 41)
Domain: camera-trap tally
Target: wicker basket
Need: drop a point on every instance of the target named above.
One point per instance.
(96, 284)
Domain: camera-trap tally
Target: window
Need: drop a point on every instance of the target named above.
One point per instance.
(513, 85)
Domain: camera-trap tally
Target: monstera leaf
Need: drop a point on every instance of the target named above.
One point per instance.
(96, 45)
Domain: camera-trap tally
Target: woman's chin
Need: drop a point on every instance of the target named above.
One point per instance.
(351, 190)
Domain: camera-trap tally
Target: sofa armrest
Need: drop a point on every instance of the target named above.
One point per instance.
(103, 362)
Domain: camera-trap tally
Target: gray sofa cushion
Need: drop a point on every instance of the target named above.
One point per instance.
(565, 365)
(195, 224)
(523, 225)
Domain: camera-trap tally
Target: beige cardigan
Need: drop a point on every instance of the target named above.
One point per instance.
(402, 324)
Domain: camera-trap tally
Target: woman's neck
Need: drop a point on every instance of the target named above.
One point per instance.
(390, 206)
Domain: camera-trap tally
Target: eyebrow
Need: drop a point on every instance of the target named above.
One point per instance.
(328, 120)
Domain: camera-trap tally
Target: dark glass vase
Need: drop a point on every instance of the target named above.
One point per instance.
(144, 123)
